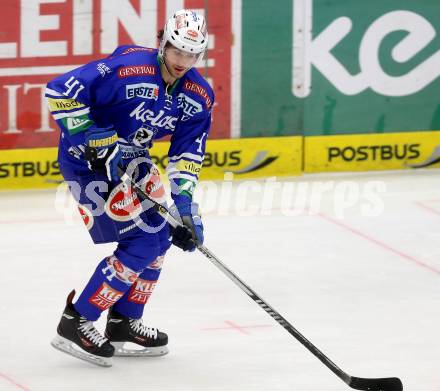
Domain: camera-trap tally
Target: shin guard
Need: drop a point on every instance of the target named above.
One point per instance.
(132, 303)
(110, 281)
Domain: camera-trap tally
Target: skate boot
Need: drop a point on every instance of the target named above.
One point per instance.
(78, 337)
(131, 337)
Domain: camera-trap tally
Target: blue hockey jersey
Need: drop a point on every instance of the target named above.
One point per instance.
(126, 91)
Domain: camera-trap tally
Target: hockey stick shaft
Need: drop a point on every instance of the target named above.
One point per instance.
(273, 313)
(387, 384)
(164, 212)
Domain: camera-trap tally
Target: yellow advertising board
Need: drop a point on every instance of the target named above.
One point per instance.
(365, 152)
(245, 158)
(29, 168)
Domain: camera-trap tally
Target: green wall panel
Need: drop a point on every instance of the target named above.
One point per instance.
(269, 106)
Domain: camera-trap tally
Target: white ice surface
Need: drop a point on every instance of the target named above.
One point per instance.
(363, 289)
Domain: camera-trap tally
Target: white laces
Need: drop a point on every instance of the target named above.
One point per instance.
(139, 327)
(91, 333)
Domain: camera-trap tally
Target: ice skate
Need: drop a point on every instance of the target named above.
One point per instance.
(131, 337)
(78, 337)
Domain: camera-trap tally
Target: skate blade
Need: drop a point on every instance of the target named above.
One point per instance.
(64, 345)
(128, 349)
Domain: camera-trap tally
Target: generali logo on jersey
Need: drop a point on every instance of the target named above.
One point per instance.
(136, 70)
(137, 49)
(199, 90)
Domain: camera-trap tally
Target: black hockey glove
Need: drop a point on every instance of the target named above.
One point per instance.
(190, 234)
(102, 152)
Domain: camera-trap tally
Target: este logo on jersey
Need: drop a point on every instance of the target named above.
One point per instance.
(142, 90)
(189, 106)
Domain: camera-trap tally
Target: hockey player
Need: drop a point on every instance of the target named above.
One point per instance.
(110, 111)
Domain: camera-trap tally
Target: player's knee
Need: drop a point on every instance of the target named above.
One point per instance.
(114, 269)
(152, 271)
(137, 257)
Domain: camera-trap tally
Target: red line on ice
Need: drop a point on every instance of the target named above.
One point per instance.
(233, 326)
(9, 379)
(35, 221)
(379, 243)
(428, 208)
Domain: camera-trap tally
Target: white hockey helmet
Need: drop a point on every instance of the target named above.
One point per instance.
(186, 30)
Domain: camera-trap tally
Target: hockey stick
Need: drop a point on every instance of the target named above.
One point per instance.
(358, 383)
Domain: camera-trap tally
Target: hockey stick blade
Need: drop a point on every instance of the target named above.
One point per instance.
(385, 384)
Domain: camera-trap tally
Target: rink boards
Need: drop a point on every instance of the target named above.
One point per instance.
(365, 152)
(257, 157)
(244, 158)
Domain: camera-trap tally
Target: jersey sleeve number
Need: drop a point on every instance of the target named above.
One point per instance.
(73, 85)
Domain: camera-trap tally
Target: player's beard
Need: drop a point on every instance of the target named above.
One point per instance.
(175, 73)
